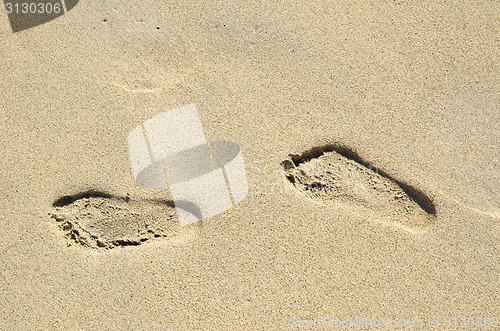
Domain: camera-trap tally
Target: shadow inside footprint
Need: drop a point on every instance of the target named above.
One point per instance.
(100, 220)
(69, 199)
(337, 173)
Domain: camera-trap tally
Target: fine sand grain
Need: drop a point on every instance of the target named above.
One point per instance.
(401, 223)
(325, 175)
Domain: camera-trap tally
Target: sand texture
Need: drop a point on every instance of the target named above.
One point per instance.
(99, 220)
(327, 176)
(369, 132)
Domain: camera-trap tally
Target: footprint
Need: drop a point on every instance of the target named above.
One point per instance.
(100, 220)
(338, 175)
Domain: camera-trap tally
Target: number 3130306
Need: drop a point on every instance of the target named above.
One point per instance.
(33, 8)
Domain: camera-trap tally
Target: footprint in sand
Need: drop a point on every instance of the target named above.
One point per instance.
(99, 220)
(338, 175)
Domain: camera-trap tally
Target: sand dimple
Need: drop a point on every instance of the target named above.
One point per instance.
(99, 220)
(341, 177)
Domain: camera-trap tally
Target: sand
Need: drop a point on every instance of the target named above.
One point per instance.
(411, 87)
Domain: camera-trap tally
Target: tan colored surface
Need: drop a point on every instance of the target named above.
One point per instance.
(335, 180)
(413, 88)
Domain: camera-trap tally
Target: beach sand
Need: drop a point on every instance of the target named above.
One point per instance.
(411, 88)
